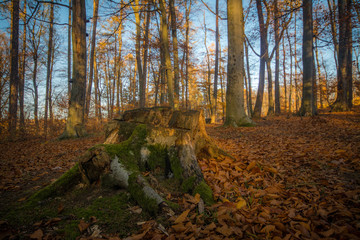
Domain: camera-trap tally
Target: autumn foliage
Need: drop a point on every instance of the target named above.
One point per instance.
(289, 178)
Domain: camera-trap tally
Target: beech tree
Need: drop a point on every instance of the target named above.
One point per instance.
(235, 110)
(307, 101)
(14, 68)
(75, 121)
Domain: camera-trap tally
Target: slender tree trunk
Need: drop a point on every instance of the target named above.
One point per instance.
(119, 80)
(22, 78)
(36, 94)
(263, 54)
(69, 52)
(213, 118)
(187, 52)
(175, 50)
(92, 58)
(307, 93)
(249, 78)
(349, 79)
(270, 88)
(48, 67)
(235, 111)
(14, 68)
(284, 73)
(291, 72)
(146, 50)
(277, 61)
(208, 85)
(165, 42)
(296, 76)
(332, 10)
(75, 121)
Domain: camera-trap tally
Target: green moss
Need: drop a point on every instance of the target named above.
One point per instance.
(205, 192)
(69, 229)
(175, 164)
(157, 157)
(57, 188)
(172, 205)
(188, 184)
(139, 196)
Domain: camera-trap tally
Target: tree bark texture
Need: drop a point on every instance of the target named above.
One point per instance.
(235, 111)
(75, 121)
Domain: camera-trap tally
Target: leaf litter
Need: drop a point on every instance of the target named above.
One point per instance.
(290, 178)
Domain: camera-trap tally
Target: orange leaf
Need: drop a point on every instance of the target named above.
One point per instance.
(251, 165)
(83, 226)
(179, 227)
(182, 216)
(328, 233)
(224, 230)
(38, 234)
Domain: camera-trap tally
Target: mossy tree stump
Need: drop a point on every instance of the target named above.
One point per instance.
(151, 152)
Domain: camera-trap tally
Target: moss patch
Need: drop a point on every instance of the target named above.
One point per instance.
(138, 194)
(66, 181)
(188, 184)
(205, 192)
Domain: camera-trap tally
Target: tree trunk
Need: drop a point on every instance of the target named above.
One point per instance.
(344, 57)
(235, 111)
(307, 92)
(187, 32)
(92, 59)
(14, 68)
(75, 121)
(165, 42)
(69, 53)
(22, 78)
(175, 50)
(249, 78)
(263, 54)
(270, 88)
(284, 73)
(277, 61)
(216, 61)
(48, 67)
(291, 75)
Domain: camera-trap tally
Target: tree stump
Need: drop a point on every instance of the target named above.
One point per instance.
(152, 152)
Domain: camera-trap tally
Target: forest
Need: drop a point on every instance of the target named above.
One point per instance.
(179, 119)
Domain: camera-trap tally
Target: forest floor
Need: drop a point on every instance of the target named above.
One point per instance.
(291, 178)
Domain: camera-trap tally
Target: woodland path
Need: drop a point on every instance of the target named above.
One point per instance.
(292, 178)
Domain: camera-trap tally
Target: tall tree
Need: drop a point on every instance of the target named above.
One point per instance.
(14, 67)
(22, 77)
(277, 59)
(216, 72)
(307, 101)
(69, 52)
(175, 49)
(235, 110)
(75, 121)
(263, 57)
(92, 58)
(165, 43)
(344, 75)
(48, 66)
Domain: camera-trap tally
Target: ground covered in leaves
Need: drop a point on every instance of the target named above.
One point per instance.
(290, 178)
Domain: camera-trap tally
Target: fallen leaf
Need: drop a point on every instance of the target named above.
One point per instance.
(38, 234)
(179, 227)
(182, 216)
(224, 230)
(328, 233)
(83, 225)
(267, 229)
(241, 203)
(251, 165)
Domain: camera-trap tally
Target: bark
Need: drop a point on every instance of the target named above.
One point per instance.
(263, 53)
(332, 10)
(75, 121)
(291, 75)
(344, 57)
(208, 84)
(270, 88)
(235, 111)
(277, 61)
(22, 78)
(249, 78)
(187, 32)
(146, 52)
(69, 53)
(284, 74)
(14, 68)
(92, 58)
(307, 92)
(48, 66)
(175, 50)
(216, 61)
(165, 42)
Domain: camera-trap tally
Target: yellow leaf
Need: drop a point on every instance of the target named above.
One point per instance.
(182, 216)
(251, 165)
(197, 198)
(179, 227)
(241, 203)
